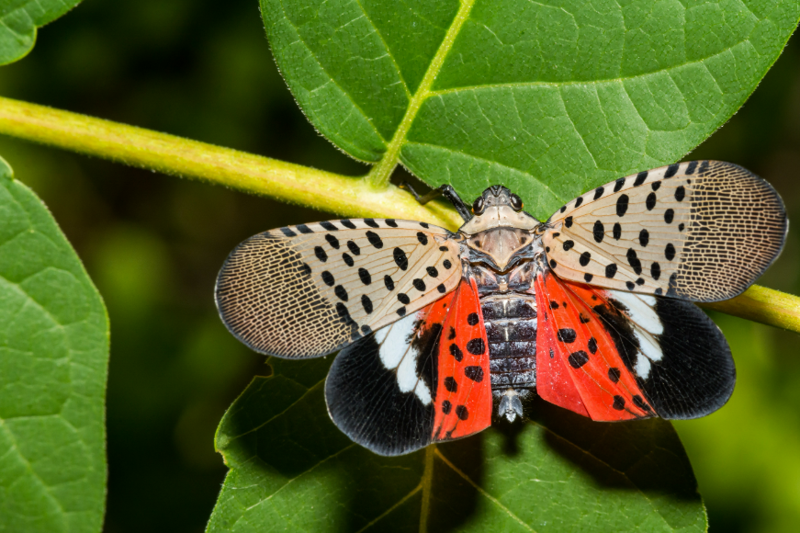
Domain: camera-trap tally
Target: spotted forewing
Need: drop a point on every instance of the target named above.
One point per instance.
(703, 231)
(308, 290)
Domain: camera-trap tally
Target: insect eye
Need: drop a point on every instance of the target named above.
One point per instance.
(477, 207)
(516, 202)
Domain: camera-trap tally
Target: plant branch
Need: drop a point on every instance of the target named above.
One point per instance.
(138, 147)
(764, 305)
(343, 195)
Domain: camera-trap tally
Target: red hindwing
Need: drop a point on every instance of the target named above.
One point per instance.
(578, 365)
(464, 392)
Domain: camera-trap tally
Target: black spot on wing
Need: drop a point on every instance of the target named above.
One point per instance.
(375, 239)
(644, 237)
(655, 270)
(622, 205)
(475, 373)
(328, 226)
(578, 359)
(476, 346)
(598, 231)
(400, 258)
(302, 228)
(567, 335)
(669, 251)
(650, 201)
(672, 170)
(333, 241)
(340, 292)
(456, 352)
(633, 261)
(366, 303)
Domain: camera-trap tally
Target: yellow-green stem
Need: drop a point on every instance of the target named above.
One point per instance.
(764, 305)
(343, 195)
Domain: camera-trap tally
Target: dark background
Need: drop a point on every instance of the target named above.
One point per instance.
(153, 245)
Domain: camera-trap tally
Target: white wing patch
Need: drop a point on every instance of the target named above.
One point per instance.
(646, 325)
(398, 354)
(703, 230)
(307, 290)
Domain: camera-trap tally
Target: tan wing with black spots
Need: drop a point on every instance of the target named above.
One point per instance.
(702, 230)
(308, 290)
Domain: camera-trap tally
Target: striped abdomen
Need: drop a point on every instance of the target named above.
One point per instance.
(510, 321)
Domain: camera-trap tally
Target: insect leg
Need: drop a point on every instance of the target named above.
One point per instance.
(448, 192)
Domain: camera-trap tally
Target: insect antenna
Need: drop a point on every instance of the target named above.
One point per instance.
(448, 192)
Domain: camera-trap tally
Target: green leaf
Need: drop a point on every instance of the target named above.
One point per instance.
(19, 20)
(293, 470)
(53, 360)
(549, 99)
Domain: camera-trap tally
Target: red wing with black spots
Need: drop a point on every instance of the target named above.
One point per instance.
(464, 394)
(579, 366)
(424, 378)
(614, 355)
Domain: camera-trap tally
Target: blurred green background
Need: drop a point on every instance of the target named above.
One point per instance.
(153, 245)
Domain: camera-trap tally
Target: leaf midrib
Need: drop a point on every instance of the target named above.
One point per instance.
(379, 175)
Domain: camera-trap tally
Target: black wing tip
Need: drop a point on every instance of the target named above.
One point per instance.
(697, 374)
(365, 403)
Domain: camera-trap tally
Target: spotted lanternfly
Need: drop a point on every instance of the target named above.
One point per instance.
(590, 310)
